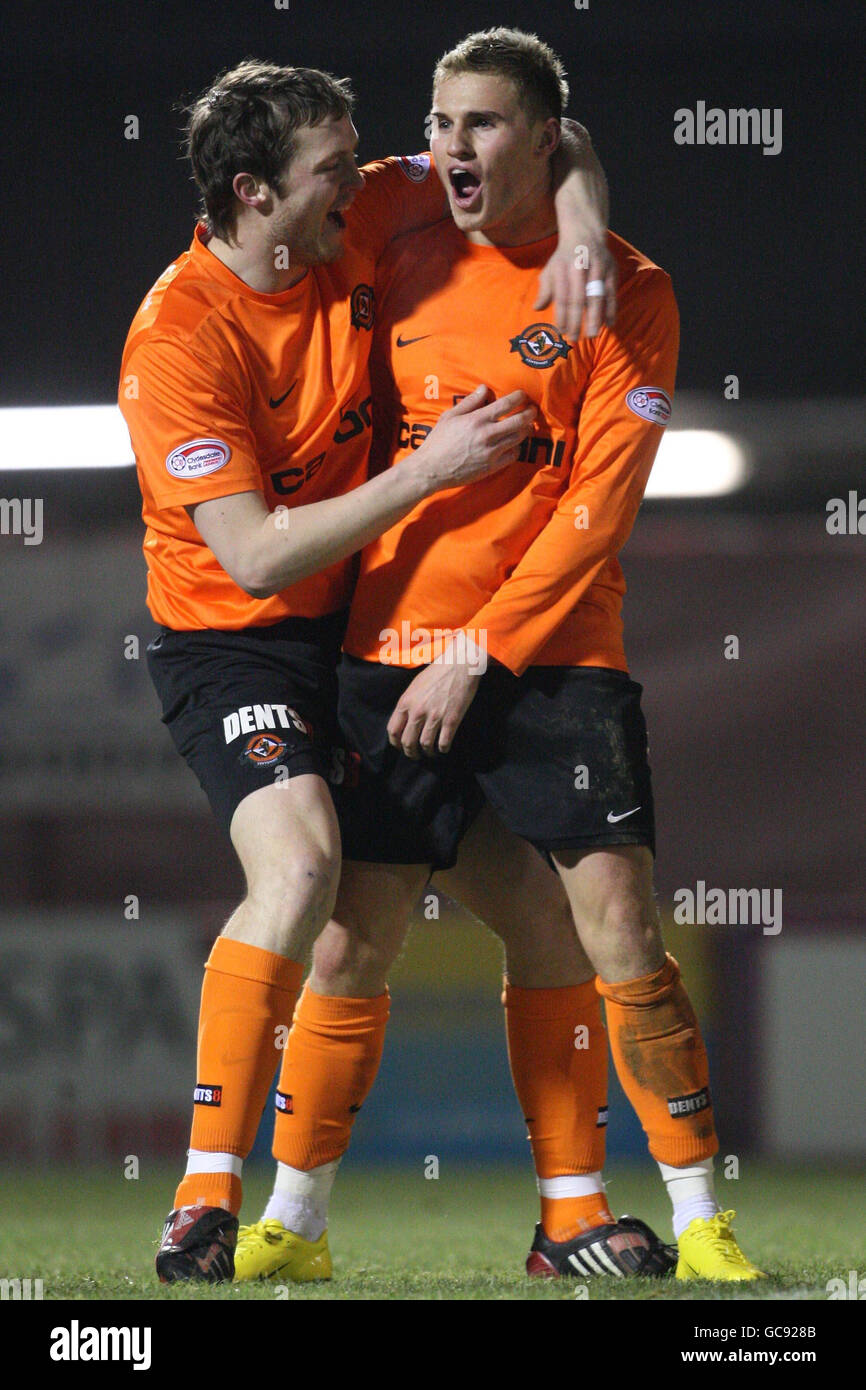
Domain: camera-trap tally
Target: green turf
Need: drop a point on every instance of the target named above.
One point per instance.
(394, 1234)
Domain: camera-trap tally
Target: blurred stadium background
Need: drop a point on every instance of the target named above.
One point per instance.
(114, 879)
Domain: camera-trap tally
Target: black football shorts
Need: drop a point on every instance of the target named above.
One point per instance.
(560, 753)
(248, 708)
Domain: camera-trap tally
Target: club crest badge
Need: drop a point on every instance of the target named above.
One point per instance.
(363, 307)
(540, 345)
(264, 749)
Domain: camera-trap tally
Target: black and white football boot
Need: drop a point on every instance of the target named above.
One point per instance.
(625, 1248)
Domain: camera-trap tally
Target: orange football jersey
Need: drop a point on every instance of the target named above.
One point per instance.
(226, 390)
(524, 561)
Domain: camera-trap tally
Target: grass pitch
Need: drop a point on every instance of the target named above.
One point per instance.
(396, 1235)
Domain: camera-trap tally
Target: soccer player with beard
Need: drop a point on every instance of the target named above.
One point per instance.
(486, 687)
(246, 390)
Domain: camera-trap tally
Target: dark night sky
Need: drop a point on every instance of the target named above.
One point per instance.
(762, 249)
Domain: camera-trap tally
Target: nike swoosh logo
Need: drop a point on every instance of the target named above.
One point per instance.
(613, 819)
(405, 342)
(274, 403)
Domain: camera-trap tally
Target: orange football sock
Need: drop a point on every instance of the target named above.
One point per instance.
(248, 993)
(563, 1218)
(210, 1190)
(661, 1062)
(330, 1063)
(557, 1049)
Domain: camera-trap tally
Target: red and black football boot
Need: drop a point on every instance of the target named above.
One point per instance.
(198, 1243)
(626, 1248)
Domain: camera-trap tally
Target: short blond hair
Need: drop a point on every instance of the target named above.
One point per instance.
(531, 65)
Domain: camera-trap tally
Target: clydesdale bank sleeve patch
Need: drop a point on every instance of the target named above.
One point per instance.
(416, 167)
(650, 403)
(198, 457)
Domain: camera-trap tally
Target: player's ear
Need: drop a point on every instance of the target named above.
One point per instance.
(249, 190)
(550, 136)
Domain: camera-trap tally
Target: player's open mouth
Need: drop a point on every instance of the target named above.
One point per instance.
(337, 218)
(466, 188)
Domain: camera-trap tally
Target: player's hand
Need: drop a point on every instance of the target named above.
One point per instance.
(565, 277)
(476, 437)
(431, 709)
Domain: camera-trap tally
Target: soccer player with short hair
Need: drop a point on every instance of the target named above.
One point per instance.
(246, 390)
(484, 668)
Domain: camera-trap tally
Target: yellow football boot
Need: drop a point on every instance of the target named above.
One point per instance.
(708, 1250)
(268, 1251)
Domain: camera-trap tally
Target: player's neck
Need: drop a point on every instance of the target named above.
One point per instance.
(519, 227)
(256, 265)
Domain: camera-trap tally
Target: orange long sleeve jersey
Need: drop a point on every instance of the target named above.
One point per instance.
(524, 561)
(226, 390)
